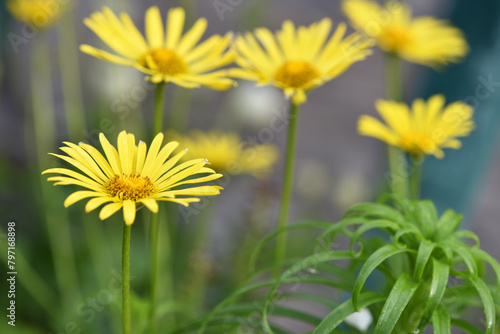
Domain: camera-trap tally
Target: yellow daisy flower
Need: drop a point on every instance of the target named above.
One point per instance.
(39, 14)
(425, 129)
(132, 176)
(423, 40)
(299, 59)
(227, 153)
(166, 55)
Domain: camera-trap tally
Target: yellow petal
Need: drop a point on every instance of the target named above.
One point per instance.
(154, 28)
(94, 203)
(79, 195)
(129, 212)
(175, 25)
(192, 37)
(110, 209)
(151, 204)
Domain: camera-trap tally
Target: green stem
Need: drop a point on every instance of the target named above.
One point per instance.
(154, 271)
(43, 129)
(179, 114)
(158, 122)
(415, 176)
(70, 78)
(126, 279)
(286, 195)
(397, 157)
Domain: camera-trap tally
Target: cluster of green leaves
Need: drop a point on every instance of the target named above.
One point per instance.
(430, 273)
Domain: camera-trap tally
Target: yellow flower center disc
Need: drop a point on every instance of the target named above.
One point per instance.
(418, 143)
(396, 38)
(130, 187)
(167, 62)
(296, 74)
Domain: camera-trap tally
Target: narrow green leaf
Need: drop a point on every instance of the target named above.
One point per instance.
(488, 302)
(408, 229)
(426, 217)
(308, 224)
(466, 326)
(424, 252)
(448, 223)
(374, 210)
(481, 255)
(440, 275)
(338, 315)
(395, 304)
(370, 265)
(379, 223)
(309, 262)
(322, 241)
(464, 234)
(441, 321)
(465, 254)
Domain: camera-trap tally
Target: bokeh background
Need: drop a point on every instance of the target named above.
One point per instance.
(335, 167)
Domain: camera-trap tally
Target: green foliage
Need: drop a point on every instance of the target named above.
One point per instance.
(426, 272)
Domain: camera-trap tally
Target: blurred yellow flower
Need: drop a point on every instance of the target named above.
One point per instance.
(165, 55)
(298, 59)
(227, 153)
(425, 129)
(132, 176)
(423, 40)
(38, 14)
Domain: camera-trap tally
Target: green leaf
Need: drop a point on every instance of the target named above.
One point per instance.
(465, 254)
(466, 326)
(426, 217)
(309, 262)
(370, 265)
(488, 303)
(395, 304)
(424, 252)
(441, 321)
(335, 228)
(308, 224)
(374, 210)
(338, 315)
(408, 229)
(464, 234)
(448, 224)
(481, 255)
(380, 224)
(440, 275)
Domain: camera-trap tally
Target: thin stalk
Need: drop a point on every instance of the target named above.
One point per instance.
(43, 128)
(158, 121)
(154, 271)
(286, 194)
(70, 78)
(397, 158)
(415, 176)
(126, 279)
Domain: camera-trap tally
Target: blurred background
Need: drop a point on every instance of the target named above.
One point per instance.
(335, 167)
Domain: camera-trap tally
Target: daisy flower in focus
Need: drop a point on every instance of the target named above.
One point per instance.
(228, 153)
(425, 129)
(39, 14)
(300, 59)
(132, 176)
(423, 40)
(165, 55)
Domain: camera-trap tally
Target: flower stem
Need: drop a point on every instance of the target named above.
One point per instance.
(286, 195)
(158, 122)
(154, 271)
(157, 128)
(126, 279)
(397, 158)
(415, 176)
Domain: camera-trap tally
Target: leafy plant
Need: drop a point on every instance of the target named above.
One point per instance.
(429, 273)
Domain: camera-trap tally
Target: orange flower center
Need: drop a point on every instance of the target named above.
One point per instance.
(130, 187)
(296, 74)
(396, 38)
(165, 61)
(418, 143)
